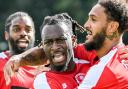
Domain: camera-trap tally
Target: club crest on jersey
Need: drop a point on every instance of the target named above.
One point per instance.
(125, 63)
(64, 85)
(79, 77)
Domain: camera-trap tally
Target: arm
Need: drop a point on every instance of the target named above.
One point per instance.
(42, 81)
(33, 56)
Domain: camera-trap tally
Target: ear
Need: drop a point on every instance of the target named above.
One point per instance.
(6, 34)
(74, 40)
(112, 30)
(112, 27)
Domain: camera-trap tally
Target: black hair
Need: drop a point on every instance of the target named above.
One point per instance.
(13, 16)
(116, 11)
(65, 18)
(125, 38)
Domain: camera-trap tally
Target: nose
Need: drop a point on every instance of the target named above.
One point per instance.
(23, 32)
(54, 46)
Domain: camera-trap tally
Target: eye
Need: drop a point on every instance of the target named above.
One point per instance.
(28, 29)
(93, 19)
(61, 40)
(16, 29)
(48, 42)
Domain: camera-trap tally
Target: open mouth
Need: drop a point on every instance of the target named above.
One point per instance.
(58, 57)
(23, 43)
(89, 36)
(89, 32)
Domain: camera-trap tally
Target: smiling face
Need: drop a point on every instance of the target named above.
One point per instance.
(21, 35)
(56, 46)
(96, 26)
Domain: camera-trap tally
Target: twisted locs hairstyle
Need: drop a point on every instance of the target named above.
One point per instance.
(63, 17)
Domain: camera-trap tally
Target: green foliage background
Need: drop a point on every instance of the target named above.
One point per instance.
(38, 9)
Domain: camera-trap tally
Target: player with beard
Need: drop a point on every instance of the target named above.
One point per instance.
(106, 23)
(20, 35)
(20, 38)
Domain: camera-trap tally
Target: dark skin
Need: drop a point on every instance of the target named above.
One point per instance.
(29, 57)
(32, 57)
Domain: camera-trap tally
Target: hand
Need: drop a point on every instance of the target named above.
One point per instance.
(123, 53)
(11, 67)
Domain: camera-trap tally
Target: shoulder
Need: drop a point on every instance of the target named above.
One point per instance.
(4, 55)
(42, 81)
(81, 61)
(3, 58)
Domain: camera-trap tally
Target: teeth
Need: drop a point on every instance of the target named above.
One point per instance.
(22, 43)
(22, 40)
(89, 32)
(57, 54)
(58, 57)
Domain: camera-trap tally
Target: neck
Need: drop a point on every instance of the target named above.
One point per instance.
(107, 46)
(70, 67)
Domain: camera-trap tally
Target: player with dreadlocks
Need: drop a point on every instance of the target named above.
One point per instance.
(66, 71)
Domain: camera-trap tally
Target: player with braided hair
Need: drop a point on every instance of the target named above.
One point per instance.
(66, 71)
